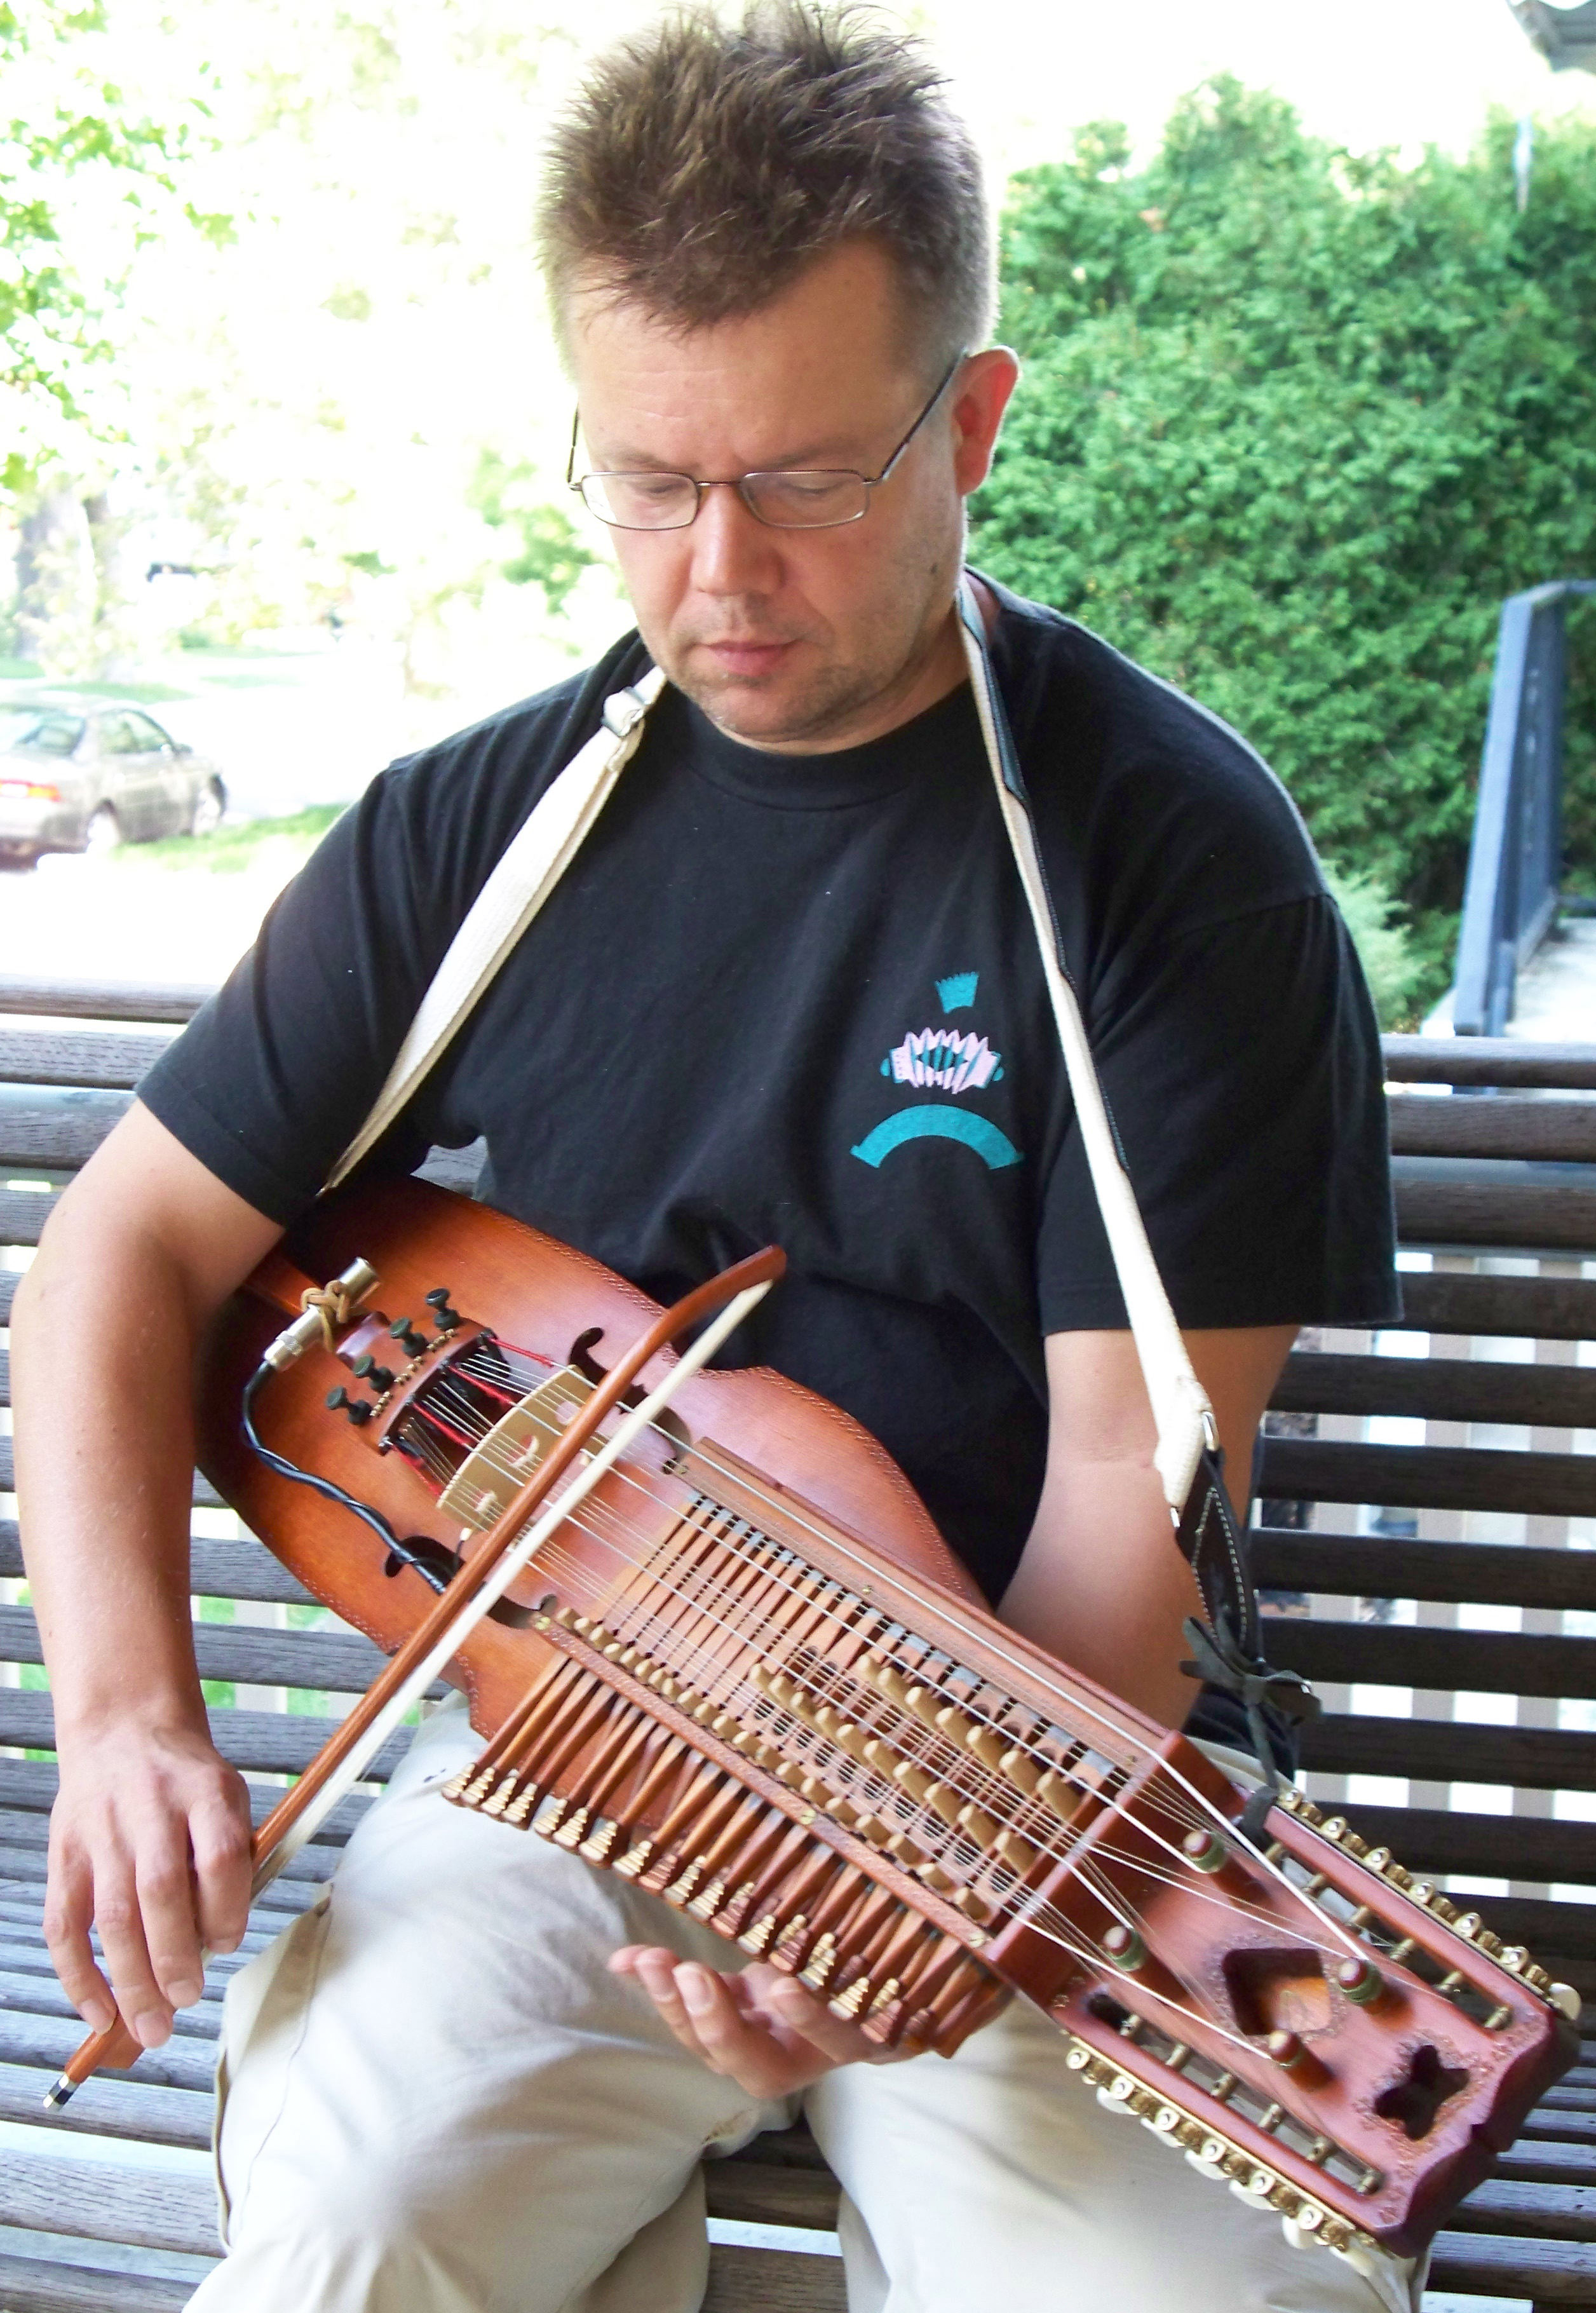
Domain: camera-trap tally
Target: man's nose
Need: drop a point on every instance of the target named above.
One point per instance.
(732, 553)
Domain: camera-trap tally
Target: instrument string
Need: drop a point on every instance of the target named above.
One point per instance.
(881, 1789)
(1044, 1918)
(992, 1789)
(858, 1779)
(1054, 1926)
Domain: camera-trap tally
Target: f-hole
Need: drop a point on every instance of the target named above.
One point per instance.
(1414, 2102)
(581, 1356)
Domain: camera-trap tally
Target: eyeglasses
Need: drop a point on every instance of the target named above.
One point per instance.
(822, 499)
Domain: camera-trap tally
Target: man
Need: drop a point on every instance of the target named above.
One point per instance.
(445, 2089)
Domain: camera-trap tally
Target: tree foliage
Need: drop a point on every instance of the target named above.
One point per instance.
(1293, 424)
(67, 121)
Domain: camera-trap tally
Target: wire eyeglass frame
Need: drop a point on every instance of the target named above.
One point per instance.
(810, 480)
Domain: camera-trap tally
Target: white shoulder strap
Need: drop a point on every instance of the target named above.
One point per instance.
(549, 839)
(538, 855)
(1180, 1408)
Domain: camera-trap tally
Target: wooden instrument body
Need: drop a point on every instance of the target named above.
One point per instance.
(741, 1709)
(543, 1295)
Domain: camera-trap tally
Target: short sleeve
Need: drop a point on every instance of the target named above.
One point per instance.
(275, 1077)
(1243, 1070)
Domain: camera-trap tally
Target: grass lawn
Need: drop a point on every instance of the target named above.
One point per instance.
(232, 849)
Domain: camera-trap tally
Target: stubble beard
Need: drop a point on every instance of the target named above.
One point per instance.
(836, 693)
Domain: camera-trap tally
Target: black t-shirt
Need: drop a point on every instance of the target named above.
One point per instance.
(798, 999)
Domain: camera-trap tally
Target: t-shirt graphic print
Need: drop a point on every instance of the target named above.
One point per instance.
(951, 1061)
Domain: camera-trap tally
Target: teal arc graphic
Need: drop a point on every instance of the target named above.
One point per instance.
(994, 1148)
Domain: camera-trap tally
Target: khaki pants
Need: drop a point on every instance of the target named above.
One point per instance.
(435, 2098)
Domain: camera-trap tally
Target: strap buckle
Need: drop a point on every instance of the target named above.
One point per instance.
(623, 711)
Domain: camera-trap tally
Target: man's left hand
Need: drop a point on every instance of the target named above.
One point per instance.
(758, 2027)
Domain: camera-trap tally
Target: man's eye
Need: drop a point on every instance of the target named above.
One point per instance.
(812, 488)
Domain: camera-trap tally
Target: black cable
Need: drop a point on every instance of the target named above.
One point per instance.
(405, 1554)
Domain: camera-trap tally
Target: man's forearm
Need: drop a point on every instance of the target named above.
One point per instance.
(1103, 1587)
(101, 1367)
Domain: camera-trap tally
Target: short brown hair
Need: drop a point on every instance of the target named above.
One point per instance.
(702, 164)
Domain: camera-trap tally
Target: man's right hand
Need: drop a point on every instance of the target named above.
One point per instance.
(150, 1844)
(150, 1837)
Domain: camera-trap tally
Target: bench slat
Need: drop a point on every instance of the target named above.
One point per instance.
(55, 1131)
(46, 2042)
(28, 2285)
(1439, 1389)
(1546, 2212)
(97, 1000)
(110, 2104)
(750, 2191)
(339, 1661)
(1489, 1061)
(1552, 2272)
(23, 1214)
(1446, 1750)
(95, 2201)
(1393, 1654)
(1387, 1566)
(773, 2280)
(1547, 2164)
(1431, 1477)
(1552, 1130)
(1525, 1309)
(78, 1057)
(269, 1742)
(1534, 1213)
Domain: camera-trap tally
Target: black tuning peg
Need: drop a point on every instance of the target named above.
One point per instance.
(367, 1370)
(412, 1343)
(338, 1400)
(443, 1317)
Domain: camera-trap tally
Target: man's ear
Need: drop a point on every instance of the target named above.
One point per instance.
(978, 404)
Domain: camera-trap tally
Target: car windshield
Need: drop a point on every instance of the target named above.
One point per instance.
(41, 730)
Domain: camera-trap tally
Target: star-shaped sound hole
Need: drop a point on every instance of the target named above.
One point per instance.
(1414, 2101)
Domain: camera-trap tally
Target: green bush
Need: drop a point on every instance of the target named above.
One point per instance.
(1397, 972)
(1292, 425)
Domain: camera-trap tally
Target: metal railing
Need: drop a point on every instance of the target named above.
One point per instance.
(1516, 860)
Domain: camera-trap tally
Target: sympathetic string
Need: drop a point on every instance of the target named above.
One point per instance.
(956, 1770)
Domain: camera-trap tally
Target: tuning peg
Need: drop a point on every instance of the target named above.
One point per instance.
(412, 1343)
(443, 1317)
(1125, 1948)
(338, 1400)
(366, 1369)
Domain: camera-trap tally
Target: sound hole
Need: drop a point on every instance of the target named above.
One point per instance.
(1277, 1990)
(1413, 2103)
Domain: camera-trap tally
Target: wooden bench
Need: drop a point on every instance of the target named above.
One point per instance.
(1447, 1561)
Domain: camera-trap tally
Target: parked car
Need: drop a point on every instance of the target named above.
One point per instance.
(85, 775)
